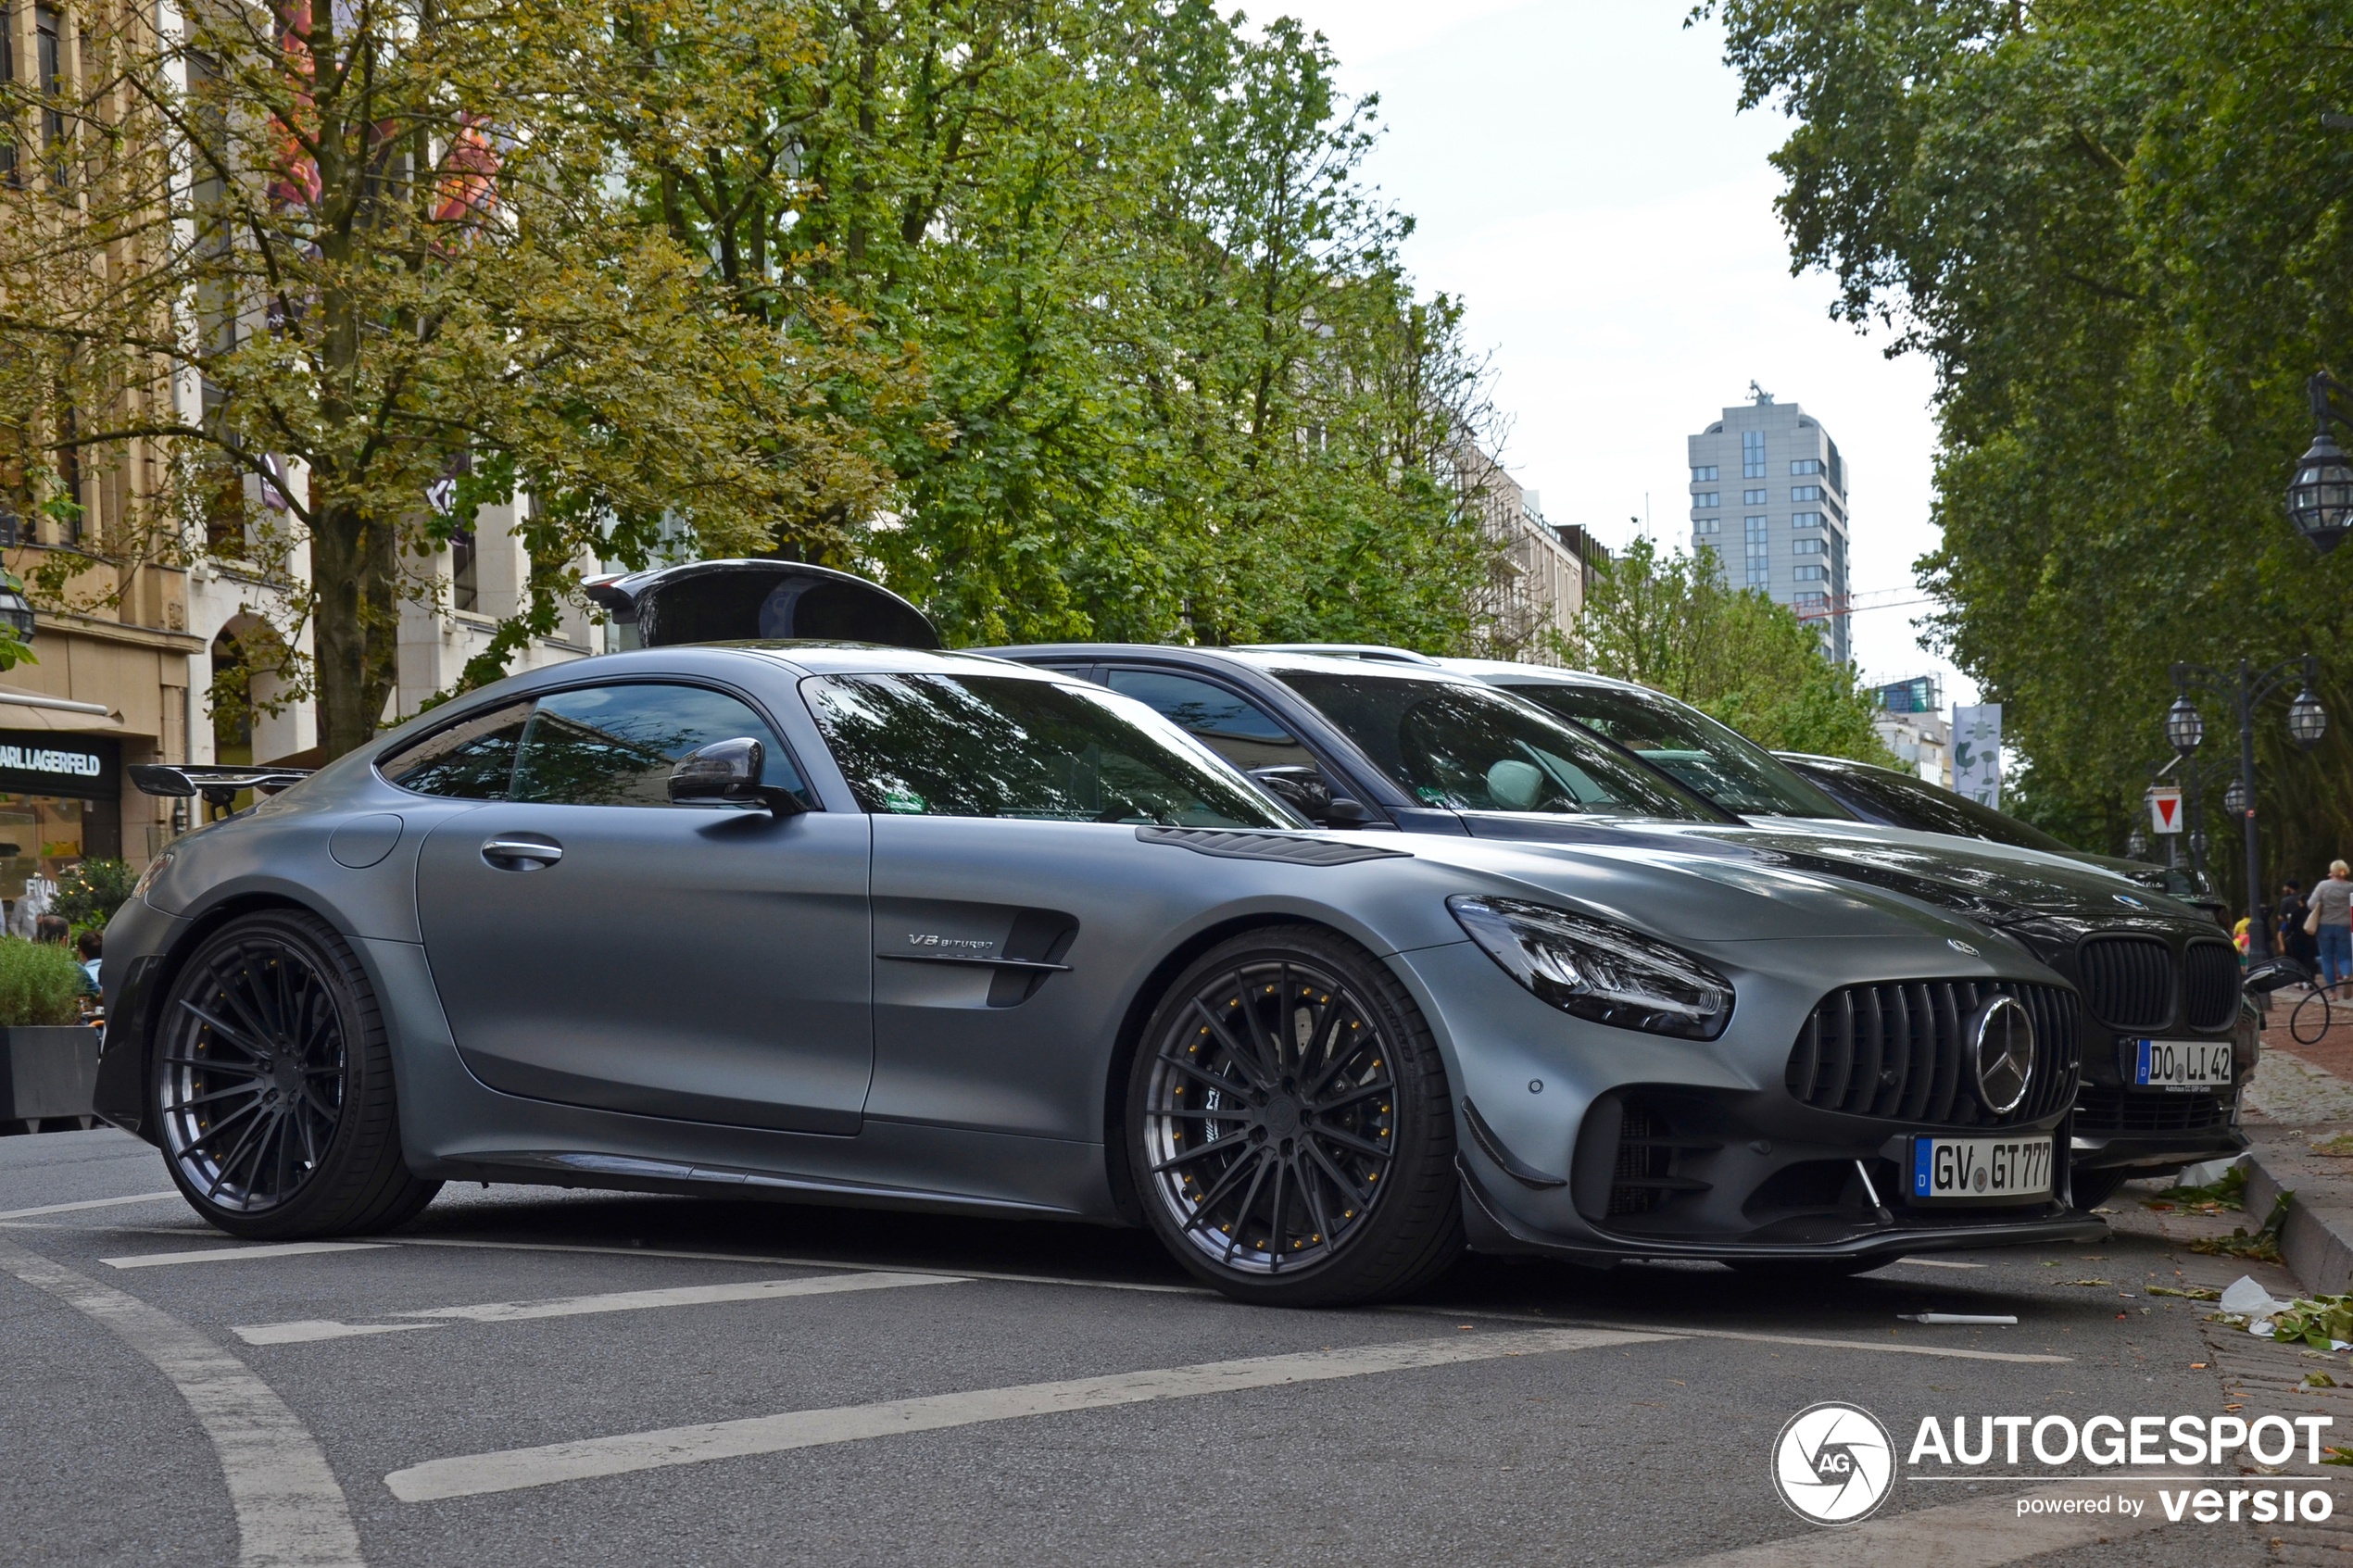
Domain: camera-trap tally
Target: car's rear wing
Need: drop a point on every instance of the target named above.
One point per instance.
(219, 783)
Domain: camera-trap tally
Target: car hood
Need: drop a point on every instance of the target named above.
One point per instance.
(1990, 883)
(1689, 890)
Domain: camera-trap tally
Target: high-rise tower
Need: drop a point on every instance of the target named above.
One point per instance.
(1768, 494)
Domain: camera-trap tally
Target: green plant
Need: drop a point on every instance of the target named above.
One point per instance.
(40, 983)
(92, 891)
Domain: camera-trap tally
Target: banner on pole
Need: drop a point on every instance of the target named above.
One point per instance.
(2165, 809)
(1977, 752)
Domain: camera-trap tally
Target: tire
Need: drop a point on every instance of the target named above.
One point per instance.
(272, 1086)
(2092, 1188)
(1297, 1155)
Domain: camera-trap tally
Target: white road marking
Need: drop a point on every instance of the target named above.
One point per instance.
(290, 1512)
(1982, 1533)
(239, 1254)
(1890, 1345)
(789, 1262)
(88, 1203)
(306, 1331)
(514, 1469)
(1938, 1263)
(310, 1330)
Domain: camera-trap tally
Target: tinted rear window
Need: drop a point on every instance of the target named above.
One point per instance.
(1473, 748)
(1916, 803)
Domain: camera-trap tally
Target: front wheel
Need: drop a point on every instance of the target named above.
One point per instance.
(1289, 1125)
(272, 1085)
(2310, 1019)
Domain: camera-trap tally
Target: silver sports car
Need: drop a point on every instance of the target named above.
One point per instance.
(832, 923)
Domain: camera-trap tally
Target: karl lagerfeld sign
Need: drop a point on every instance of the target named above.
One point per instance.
(33, 763)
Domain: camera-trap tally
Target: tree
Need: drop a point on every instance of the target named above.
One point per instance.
(1673, 624)
(1178, 384)
(2120, 232)
(374, 265)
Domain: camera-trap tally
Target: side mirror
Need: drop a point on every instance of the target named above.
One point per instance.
(1345, 813)
(727, 773)
(1300, 787)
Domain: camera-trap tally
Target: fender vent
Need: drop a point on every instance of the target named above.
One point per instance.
(1262, 845)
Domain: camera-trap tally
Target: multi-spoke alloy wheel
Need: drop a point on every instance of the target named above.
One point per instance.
(1291, 1124)
(274, 1085)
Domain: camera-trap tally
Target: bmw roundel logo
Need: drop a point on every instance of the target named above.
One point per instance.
(2128, 901)
(1960, 947)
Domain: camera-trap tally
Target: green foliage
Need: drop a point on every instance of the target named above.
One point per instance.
(40, 983)
(1178, 386)
(2121, 230)
(92, 891)
(1672, 624)
(391, 244)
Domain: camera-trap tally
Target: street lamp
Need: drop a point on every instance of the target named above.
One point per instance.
(2183, 726)
(2306, 719)
(2319, 499)
(2246, 689)
(16, 612)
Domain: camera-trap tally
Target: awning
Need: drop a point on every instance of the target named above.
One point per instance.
(33, 711)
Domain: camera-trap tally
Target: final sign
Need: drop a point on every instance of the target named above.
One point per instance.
(2165, 809)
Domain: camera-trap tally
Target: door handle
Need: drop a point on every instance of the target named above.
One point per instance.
(534, 853)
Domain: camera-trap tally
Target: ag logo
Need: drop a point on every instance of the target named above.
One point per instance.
(1833, 1464)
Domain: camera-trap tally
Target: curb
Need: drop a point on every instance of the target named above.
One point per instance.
(2317, 1237)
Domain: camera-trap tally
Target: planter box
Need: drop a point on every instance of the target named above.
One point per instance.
(47, 1071)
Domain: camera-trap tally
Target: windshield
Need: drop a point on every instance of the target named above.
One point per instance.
(1916, 803)
(980, 745)
(1719, 762)
(1472, 748)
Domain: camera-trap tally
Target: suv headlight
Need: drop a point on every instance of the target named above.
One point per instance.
(1594, 970)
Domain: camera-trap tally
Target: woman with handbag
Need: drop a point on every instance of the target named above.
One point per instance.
(2331, 920)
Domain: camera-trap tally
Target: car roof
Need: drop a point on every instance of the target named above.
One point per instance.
(1270, 662)
(1843, 764)
(1492, 669)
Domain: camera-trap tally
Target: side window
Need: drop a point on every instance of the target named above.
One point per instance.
(614, 745)
(472, 759)
(1234, 727)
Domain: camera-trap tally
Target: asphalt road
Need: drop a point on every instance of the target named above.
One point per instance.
(691, 1382)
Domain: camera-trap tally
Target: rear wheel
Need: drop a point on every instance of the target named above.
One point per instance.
(1291, 1127)
(272, 1085)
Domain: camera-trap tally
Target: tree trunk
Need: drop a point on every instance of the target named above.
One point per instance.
(353, 562)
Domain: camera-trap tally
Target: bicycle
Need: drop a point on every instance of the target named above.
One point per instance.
(2310, 1019)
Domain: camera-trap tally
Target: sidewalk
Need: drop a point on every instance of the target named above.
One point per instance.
(2299, 1119)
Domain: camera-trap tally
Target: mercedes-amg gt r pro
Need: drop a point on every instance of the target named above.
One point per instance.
(839, 923)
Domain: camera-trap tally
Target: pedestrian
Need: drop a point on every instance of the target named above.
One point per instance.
(52, 928)
(2331, 920)
(92, 945)
(2294, 941)
(2241, 940)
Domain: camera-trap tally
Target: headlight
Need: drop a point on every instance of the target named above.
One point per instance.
(1598, 970)
(147, 877)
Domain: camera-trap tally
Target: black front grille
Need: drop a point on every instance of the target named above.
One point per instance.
(2099, 1109)
(2211, 985)
(1900, 1051)
(2127, 981)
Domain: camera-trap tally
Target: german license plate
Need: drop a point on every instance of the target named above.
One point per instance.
(1981, 1169)
(2196, 1064)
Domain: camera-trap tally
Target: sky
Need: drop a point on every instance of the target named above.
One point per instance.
(1582, 178)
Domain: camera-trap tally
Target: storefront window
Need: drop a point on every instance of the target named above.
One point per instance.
(41, 835)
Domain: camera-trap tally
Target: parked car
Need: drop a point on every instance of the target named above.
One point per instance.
(1906, 800)
(902, 929)
(2168, 1045)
